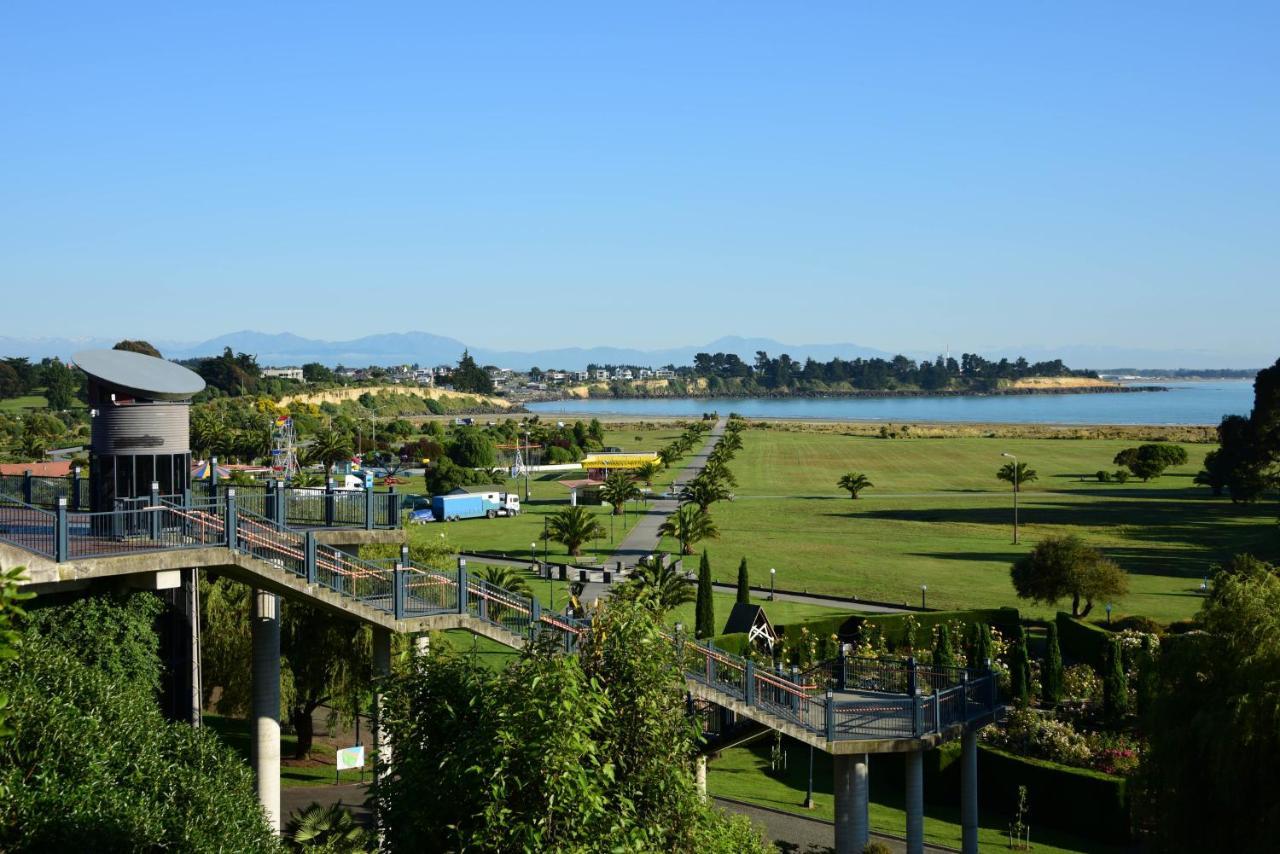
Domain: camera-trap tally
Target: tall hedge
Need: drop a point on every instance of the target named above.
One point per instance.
(705, 607)
(1082, 642)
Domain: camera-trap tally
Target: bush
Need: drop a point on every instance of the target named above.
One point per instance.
(1081, 641)
(876, 847)
(894, 627)
(1082, 683)
(1056, 793)
(1104, 476)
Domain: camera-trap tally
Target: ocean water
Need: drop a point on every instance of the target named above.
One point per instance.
(1187, 402)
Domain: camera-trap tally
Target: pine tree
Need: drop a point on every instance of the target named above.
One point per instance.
(744, 584)
(1051, 678)
(1020, 669)
(979, 645)
(943, 653)
(1115, 684)
(705, 613)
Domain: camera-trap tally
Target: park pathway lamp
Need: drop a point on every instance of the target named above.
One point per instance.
(1015, 495)
(1108, 613)
(924, 593)
(1204, 584)
(772, 573)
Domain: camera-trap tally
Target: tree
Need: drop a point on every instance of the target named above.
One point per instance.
(689, 525)
(1051, 675)
(980, 645)
(648, 472)
(143, 347)
(1216, 473)
(93, 763)
(1059, 567)
(1115, 684)
(744, 583)
(1017, 475)
(330, 829)
(702, 492)
(471, 448)
(468, 376)
(328, 448)
(944, 654)
(1020, 668)
(1148, 461)
(60, 385)
(854, 482)
(10, 639)
(328, 662)
(705, 612)
(1214, 721)
(314, 372)
(572, 527)
(618, 488)
(657, 585)
(555, 753)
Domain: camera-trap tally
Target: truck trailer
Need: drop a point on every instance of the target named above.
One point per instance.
(446, 508)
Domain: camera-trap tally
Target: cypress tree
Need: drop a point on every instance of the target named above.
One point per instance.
(980, 648)
(943, 653)
(744, 584)
(1051, 679)
(1115, 684)
(1020, 669)
(705, 614)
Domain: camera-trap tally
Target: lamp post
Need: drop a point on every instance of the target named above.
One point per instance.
(772, 573)
(527, 451)
(1108, 613)
(533, 554)
(1015, 495)
(924, 593)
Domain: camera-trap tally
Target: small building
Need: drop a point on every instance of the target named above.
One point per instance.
(646, 373)
(284, 373)
(622, 374)
(602, 374)
(58, 468)
(664, 374)
(751, 621)
(598, 465)
(582, 376)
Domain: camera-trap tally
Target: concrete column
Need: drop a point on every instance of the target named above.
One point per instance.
(381, 669)
(969, 793)
(265, 746)
(700, 774)
(915, 802)
(853, 828)
(197, 671)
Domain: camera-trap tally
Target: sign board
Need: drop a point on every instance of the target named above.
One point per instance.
(351, 757)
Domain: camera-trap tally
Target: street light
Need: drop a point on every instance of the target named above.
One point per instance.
(772, 572)
(924, 592)
(1015, 495)
(1108, 613)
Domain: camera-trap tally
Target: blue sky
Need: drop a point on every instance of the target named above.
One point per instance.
(904, 176)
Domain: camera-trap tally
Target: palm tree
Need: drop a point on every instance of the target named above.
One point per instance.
(1017, 476)
(716, 470)
(854, 482)
(572, 527)
(328, 448)
(668, 454)
(306, 477)
(618, 489)
(657, 585)
(704, 491)
(689, 525)
(508, 578)
(330, 828)
(648, 472)
(731, 442)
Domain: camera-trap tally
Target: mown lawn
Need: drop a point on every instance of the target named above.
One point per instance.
(938, 516)
(742, 773)
(320, 768)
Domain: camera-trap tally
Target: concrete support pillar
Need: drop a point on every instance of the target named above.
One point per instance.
(265, 745)
(192, 587)
(381, 669)
(853, 827)
(422, 644)
(969, 793)
(700, 774)
(915, 802)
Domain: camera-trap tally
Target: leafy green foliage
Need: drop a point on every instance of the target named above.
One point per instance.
(573, 527)
(1064, 566)
(1020, 669)
(468, 376)
(565, 753)
(854, 482)
(689, 525)
(1017, 474)
(657, 585)
(704, 612)
(744, 583)
(1148, 461)
(1051, 674)
(137, 346)
(330, 829)
(10, 639)
(471, 447)
(330, 447)
(93, 763)
(618, 488)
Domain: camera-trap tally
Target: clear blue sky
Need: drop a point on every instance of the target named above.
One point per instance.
(899, 175)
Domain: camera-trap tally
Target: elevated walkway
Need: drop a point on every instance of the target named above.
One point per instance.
(846, 707)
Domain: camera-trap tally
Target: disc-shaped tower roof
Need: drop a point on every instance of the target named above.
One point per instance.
(139, 375)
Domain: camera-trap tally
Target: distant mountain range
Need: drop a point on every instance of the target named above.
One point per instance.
(424, 348)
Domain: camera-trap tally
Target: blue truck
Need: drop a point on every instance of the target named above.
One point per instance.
(480, 505)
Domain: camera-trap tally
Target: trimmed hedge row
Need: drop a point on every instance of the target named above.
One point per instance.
(1082, 642)
(734, 644)
(1078, 800)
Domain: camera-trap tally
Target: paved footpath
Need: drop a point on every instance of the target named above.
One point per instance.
(804, 833)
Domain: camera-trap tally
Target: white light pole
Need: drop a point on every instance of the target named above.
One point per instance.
(1015, 495)
(924, 592)
(772, 572)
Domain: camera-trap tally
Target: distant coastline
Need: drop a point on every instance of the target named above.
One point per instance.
(872, 394)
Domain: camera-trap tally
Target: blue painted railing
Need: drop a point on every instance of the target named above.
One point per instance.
(845, 698)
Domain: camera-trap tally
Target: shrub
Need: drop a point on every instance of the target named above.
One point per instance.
(876, 847)
(1081, 682)
(1104, 476)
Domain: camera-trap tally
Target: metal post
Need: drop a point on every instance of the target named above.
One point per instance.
(62, 539)
(75, 487)
(404, 555)
(969, 792)
(535, 617)
(915, 802)
(462, 585)
(328, 503)
(26, 487)
(749, 692)
(842, 673)
(154, 503)
(233, 539)
(711, 663)
(368, 508)
(309, 556)
(829, 715)
(269, 502)
(795, 696)
(213, 477)
(393, 508)
(397, 591)
(265, 744)
(964, 695)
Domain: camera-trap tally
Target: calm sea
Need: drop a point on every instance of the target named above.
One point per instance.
(1183, 403)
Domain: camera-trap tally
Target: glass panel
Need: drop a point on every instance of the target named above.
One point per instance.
(144, 473)
(124, 477)
(164, 474)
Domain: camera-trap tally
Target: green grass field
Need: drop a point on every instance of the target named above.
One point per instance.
(317, 770)
(742, 773)
(938, 516)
